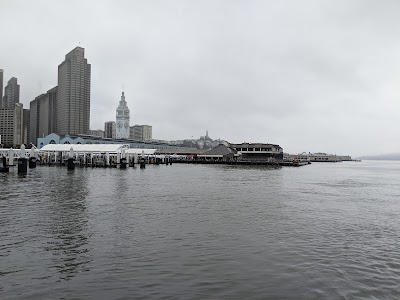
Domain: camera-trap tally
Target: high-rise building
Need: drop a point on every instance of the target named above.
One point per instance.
(26, 126)
(122, 119)
(43, 115)
(52, 113)
(73, 98)
(11, 93)
(109, 130)
(141, 133)
(11, 125)
(1, 86)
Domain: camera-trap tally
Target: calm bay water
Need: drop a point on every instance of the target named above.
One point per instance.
(324, 231)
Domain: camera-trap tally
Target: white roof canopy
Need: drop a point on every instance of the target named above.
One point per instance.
(140, 151)
(103, 148)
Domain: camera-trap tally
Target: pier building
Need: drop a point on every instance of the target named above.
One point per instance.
(317, 157)
(244, 152)
(258, 151)
(221, 152)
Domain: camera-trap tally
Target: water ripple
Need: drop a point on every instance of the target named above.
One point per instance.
(324, 231)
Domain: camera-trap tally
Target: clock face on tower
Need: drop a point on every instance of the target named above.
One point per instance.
(119, 125)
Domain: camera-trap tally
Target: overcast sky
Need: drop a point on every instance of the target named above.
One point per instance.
(308, 75)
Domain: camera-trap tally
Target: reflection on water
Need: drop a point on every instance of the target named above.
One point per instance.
(202, 232)
(66, 224)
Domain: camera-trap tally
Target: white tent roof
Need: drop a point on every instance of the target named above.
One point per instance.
(112, 148)
(140, 151)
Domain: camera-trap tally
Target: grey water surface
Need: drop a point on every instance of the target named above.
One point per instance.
(323, 231)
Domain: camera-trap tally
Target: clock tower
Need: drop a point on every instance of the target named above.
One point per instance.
(122, 119)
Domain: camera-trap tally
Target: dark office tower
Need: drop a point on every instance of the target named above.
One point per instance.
(1, 86)
(73, 98)
(11, 93)
(43, 116)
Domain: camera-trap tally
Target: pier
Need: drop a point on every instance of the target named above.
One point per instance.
(82, 155)
(117, 156)
(245, 162)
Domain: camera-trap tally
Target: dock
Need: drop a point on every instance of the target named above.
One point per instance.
(245, 163)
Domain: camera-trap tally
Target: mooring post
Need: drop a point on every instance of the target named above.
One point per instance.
(22, 161)
(11, 157)
(123, 160)
(32, 159)
(118, 157)
(71, 163)
(5, 168)
(143, 161)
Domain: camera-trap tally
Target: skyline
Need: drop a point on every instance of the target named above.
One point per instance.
(312, 76)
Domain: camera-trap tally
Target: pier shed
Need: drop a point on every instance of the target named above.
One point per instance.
(90, 154)
(221, 152)
(98, 148)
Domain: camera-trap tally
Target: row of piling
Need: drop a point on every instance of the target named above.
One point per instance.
(22, 162)
(71, 160)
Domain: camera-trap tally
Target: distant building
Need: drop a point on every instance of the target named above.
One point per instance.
(122, 119)
(73, 99)
(43, 115)
(11, 93)
(344, 157)
(98, 132)
(109, 130)
(1, 86)
(141, 133)
(11, 125)
(317, 157)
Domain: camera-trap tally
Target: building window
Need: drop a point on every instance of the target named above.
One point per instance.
(67, 142)
(250, 149)
(52, 142)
